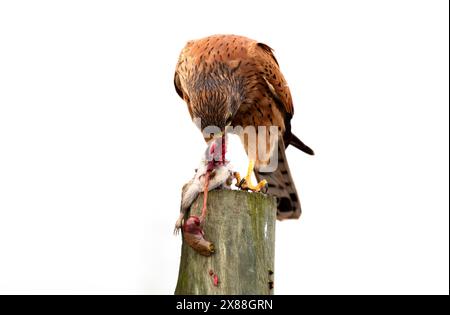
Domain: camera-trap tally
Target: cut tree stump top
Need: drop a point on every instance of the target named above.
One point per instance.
(242, 227)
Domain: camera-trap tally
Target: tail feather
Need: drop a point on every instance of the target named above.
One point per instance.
(281, 185)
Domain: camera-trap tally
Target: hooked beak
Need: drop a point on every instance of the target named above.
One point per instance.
(214, 136)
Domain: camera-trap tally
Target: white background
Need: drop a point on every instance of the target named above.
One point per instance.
(95, 144)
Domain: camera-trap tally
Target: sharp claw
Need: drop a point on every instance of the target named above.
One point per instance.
(178, 226)
(246, 182)
(175, 231)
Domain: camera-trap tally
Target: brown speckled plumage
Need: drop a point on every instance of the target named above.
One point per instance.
(233, 79)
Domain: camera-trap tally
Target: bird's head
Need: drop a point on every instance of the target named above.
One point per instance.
(213, 111)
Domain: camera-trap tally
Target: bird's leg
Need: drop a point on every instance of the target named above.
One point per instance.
(205, 197)
(246, 183)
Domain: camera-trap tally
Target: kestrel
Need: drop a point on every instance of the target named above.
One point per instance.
(230, 81)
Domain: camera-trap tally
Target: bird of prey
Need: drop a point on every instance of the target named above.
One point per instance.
(230, 81)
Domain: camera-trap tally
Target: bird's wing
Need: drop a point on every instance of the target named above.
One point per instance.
(279, 88)
(270, 70)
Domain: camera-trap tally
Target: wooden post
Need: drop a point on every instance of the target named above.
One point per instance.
(242, 227)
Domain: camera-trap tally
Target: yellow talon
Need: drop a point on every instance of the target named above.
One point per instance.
(246, 183)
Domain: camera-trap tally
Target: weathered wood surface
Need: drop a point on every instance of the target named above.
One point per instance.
(242, 227)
